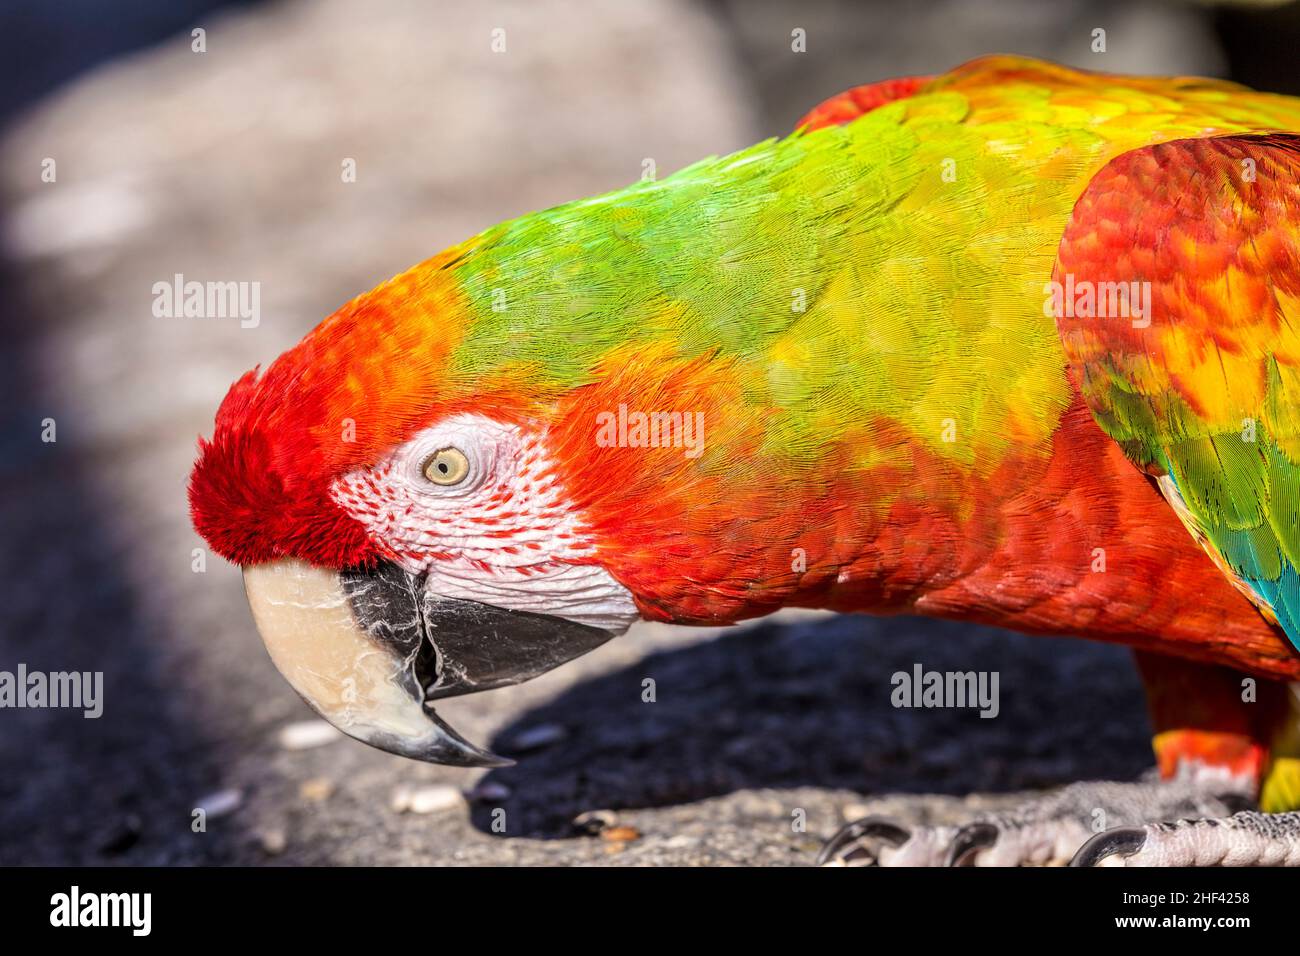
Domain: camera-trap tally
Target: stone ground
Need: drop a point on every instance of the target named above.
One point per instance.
(226, 165)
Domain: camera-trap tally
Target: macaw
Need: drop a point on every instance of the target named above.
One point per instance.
(1014, 344)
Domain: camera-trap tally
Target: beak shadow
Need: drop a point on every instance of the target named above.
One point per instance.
(807, 703)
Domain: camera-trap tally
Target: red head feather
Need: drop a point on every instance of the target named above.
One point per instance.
(359, 383)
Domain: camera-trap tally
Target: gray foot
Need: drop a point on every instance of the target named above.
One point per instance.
(1243, 839)
(1045, 831)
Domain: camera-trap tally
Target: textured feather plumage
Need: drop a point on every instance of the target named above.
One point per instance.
(1206, 396)
(857, 312)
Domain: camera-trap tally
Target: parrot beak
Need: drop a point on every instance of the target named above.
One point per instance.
(369, 649)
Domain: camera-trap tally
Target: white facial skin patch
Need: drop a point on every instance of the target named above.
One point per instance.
(503, 535)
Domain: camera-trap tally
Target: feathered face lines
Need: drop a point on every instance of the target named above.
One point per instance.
(503, 507)
(496, 527)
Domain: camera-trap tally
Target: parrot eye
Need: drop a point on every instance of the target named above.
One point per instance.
(447, 466)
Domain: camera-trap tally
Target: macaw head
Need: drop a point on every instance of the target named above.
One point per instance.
(498, 460)
(404, 535)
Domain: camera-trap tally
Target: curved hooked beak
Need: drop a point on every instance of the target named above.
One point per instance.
(369, 649)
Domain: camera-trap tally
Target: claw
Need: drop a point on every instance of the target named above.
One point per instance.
(1122, 840)
(867, 828)
(970, 839)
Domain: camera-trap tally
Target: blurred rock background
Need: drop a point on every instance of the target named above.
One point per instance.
(226, 165)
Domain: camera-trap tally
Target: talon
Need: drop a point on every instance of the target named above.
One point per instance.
(970, 839)
(867, 828)
(1122, 840)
